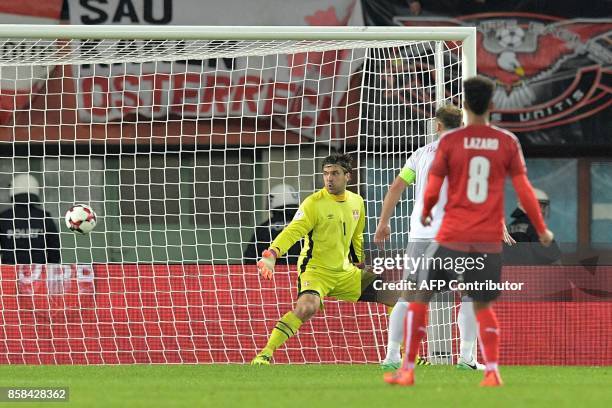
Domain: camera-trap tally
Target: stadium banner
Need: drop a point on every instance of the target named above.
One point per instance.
(299, 92)
(55, 279)
(19, 83)
(553, 75)
(51, 292)
(143, 313)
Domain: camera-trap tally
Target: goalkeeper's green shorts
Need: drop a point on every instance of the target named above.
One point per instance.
(351, 285)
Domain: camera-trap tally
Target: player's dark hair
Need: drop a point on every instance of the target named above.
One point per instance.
(342, 160)
(478, 92)
(450, 116)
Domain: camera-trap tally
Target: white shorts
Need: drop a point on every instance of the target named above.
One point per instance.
(416, 248)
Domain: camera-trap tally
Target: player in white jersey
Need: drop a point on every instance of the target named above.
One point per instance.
(417, 168)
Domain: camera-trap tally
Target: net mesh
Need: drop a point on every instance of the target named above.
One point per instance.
(177, 146)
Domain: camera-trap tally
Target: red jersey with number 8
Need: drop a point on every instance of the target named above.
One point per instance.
(476, 160)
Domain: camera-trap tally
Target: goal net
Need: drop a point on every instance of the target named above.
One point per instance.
(187, 142)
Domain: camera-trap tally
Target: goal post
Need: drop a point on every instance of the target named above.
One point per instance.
(185, 141)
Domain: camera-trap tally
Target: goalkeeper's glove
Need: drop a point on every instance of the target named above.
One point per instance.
(266, 264)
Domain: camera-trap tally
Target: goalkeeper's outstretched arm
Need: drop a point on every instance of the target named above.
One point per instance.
(302, 223)
(383, 230)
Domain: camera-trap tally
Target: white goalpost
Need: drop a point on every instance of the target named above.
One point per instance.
(179, 138)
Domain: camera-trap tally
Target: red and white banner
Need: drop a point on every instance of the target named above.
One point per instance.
(298, 91)
(55, 279)
(54, 292)
(18, 83)
(215, 90)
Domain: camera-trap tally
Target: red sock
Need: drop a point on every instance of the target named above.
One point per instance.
(489, 337)
(415, 327)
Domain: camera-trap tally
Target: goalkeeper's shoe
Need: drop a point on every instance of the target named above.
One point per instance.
(473, 365)
(491, 379)
(261, 359)
(401, 377)
(421, 361)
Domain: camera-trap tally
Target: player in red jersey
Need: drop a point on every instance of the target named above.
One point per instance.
(476, 160)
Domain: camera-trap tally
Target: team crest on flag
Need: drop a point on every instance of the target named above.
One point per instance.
(549, 71)
(355, 214)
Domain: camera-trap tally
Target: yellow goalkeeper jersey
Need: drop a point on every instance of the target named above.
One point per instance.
(332, 227)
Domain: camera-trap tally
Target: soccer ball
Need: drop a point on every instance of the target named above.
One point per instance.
(510, 37)
(81, 219)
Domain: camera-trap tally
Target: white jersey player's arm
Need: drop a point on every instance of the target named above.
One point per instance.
(406, 177)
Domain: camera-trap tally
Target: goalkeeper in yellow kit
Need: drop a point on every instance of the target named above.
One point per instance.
(331, 221)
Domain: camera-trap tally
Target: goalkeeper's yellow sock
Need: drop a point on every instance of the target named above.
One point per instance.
(285, 328)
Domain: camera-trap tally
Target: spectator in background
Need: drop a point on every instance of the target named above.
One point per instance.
(28, 234)
(283, 204)
(529, 250)
(415, 7)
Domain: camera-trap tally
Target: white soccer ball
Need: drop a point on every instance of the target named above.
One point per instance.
(510, 37)
(81, 219)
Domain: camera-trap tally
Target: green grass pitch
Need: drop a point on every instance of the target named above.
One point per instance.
(292, 386)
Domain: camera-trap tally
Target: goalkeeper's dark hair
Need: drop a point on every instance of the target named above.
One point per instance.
(478, 92)
(342, 160)
(450, 116)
